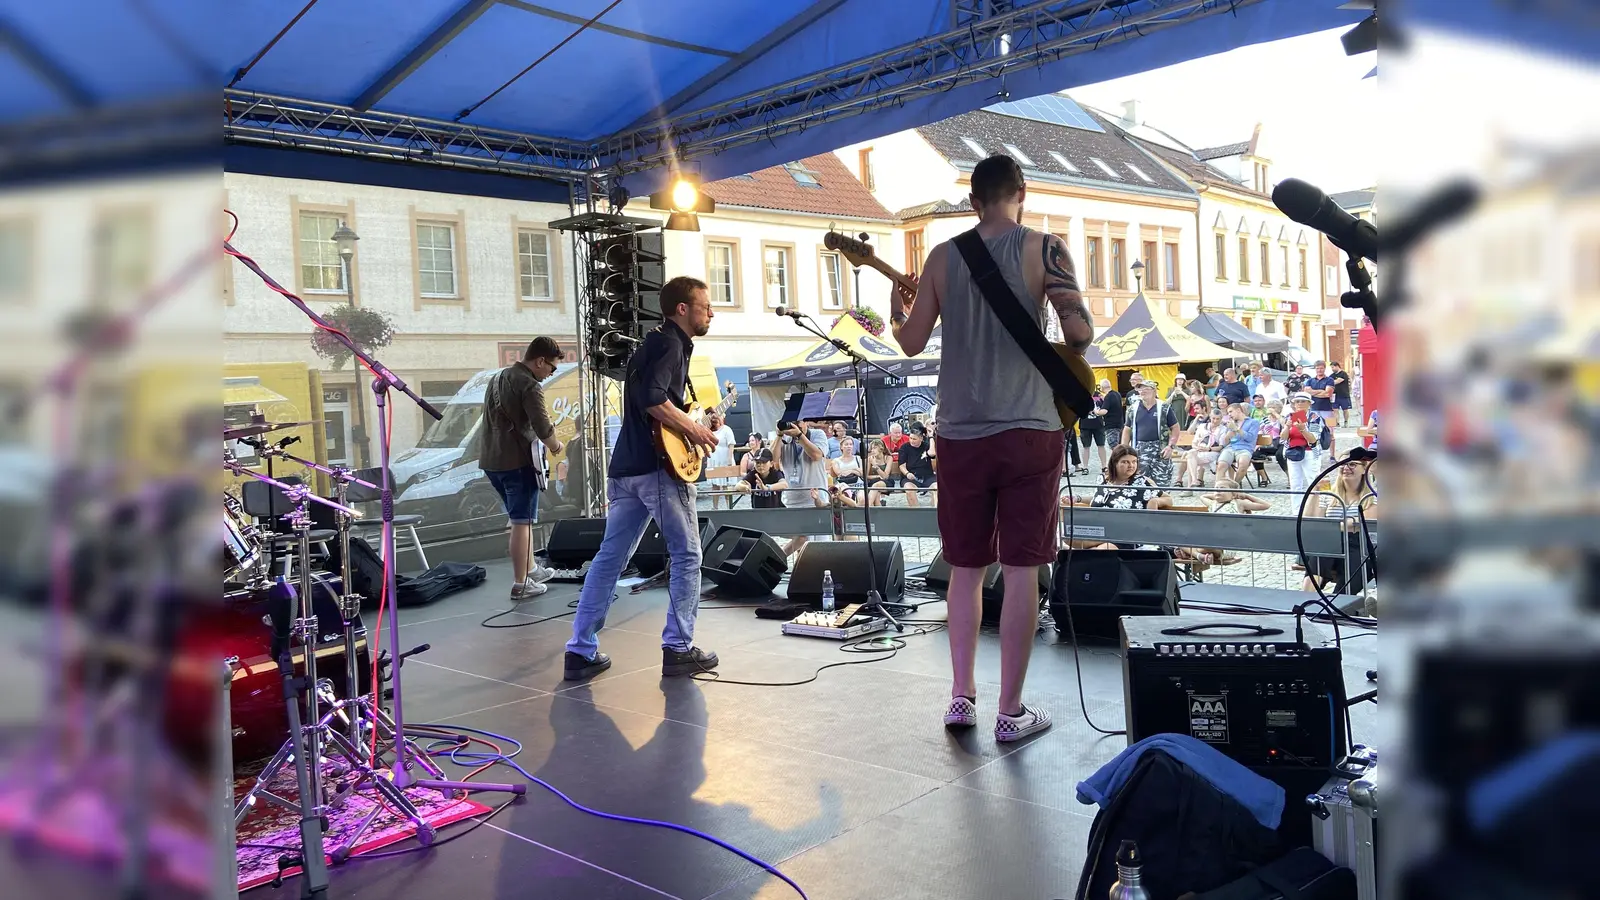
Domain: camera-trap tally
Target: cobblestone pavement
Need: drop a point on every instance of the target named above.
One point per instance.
(1267, 570)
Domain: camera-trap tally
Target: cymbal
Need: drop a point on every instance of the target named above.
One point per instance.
(233, 433)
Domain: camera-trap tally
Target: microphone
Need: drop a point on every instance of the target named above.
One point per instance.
(791, 313)
(1447, 203)
(1308, 205)
(615, 342)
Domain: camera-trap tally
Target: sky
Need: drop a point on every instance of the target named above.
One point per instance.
(1290, 86)
(1438, 110)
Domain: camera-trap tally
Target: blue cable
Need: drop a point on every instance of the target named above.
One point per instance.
(463, 757)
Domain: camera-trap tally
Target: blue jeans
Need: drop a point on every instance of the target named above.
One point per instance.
(634, 500)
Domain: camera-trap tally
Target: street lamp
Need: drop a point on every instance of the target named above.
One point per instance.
(1138, 276)
(345, 239)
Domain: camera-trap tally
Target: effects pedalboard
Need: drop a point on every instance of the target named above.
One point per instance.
(835, 625)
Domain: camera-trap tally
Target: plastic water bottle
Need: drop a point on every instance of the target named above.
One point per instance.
(1129, 866)
(827, 590)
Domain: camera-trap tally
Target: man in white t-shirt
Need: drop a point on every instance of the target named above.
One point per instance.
(1269, 389)
(720, 457)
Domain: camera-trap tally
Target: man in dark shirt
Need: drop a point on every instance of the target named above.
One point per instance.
(640, 487)
(1321, 388)
(1116, 412)
(1231, 387)
(1341, 393)
(516, 430)
(915, 459)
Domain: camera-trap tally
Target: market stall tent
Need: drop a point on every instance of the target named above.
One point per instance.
(1146, 339)
(1221, 329)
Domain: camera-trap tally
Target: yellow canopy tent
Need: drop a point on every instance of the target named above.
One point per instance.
(1145, 338)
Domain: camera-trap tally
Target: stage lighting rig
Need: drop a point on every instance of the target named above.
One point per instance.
(685, 201)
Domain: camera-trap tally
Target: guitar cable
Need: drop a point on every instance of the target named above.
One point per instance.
(1066, 601)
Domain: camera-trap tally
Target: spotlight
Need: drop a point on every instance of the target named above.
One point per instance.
(684, 200)
(685, 195)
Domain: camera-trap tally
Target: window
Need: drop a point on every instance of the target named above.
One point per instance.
(914, 251)
(779, 275)
(1587, 278)
(1330, 279)
(1266, 265)
(802, 175)
(1269, 326)
(1302, 268)
(1140, 172)
(534, 278)
(1285, 282)
(436, 260)
(1222, 256)
(1119, 267)
(1305, 336)
(720, 272)
(1096, 276)
(321, 269)
(975, 147)
(833, 283)
(1247, 321)
(864, 166)
(16, 260)
(1244, 260)
(1063, 162)
(1150, 265)
(122, 255)
(1017, 154)
(1105, 168)
(1170, 268)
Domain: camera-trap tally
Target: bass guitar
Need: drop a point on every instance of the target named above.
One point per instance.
(684, 460)
(860, 253)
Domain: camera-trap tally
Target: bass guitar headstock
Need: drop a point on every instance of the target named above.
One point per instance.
(857, 252)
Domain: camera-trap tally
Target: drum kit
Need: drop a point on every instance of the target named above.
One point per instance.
(335, 733)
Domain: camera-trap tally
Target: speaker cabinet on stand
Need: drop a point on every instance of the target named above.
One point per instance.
(743, 562)
(574, 542)
(937, 580)
(847, 560)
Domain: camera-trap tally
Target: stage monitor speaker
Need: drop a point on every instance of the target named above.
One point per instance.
(743, 562)
(1103, 585)
(574, 542)
(994, 585)
(847, 560)
(650, 557)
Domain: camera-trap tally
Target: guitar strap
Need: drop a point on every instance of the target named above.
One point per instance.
(1009, 310)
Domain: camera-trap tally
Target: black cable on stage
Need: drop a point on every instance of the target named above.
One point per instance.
(571, 609)
(878, 649)
(1066, 603)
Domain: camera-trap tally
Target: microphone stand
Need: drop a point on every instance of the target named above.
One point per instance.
(383, 380)
(874, 599)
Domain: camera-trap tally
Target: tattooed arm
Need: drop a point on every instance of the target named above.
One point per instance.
(1061, 289)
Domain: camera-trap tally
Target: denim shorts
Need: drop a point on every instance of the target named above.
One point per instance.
(518, 492)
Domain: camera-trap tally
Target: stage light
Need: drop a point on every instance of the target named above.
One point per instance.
(683, 221)
(685, 195)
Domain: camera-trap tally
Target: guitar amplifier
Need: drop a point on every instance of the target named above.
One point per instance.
(1244, 687)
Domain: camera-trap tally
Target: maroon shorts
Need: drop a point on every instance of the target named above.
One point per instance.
(999, 498)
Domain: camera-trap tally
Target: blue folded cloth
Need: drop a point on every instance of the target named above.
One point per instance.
(1261, 797)
(1502, 791)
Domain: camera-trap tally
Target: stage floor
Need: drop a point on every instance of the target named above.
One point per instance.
(850, 784)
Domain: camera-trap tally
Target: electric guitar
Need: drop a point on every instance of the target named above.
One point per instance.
(859, 253)
(685, 460)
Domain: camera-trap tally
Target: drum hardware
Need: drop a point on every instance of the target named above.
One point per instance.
(257, 426)
(313, 738)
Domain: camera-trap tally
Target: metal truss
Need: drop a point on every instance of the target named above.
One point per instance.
(989, 39)
(1011, 41)
(252, 117)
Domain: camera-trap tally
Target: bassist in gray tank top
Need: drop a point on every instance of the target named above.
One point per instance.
(998, 428)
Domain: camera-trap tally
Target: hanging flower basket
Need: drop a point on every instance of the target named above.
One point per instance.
(371, 330)
(868, 319)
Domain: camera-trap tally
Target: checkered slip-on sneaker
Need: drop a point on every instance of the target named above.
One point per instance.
(962, 711)
(1015, 728)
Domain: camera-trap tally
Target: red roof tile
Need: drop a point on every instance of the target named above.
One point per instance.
(838, 193)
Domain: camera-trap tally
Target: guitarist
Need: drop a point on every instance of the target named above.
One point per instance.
(639, 487)
(998, 426)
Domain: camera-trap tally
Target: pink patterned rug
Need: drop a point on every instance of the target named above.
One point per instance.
(271, 831)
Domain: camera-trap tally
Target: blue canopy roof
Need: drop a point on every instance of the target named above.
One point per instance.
(558, 87)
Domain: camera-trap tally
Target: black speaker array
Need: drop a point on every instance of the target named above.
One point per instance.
(743, 562)
(1101, 586)
(848, 562)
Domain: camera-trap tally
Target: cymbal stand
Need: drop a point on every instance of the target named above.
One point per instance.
(310, 739)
